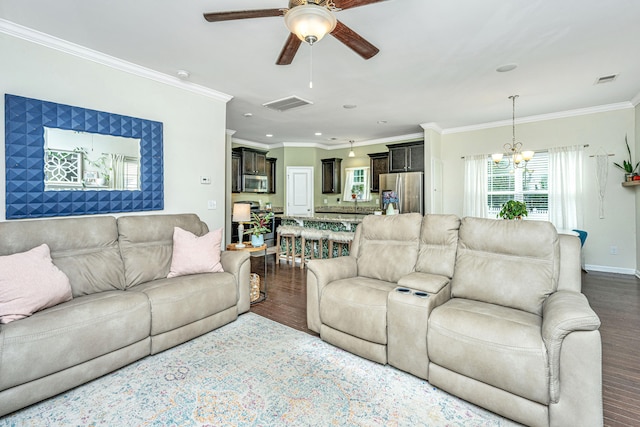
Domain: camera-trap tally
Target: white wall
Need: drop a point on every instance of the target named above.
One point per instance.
(194, 124)
(600, 130)
(637, 190)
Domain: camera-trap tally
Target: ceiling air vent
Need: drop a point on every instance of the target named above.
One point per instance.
(285, 104)
(606, 79)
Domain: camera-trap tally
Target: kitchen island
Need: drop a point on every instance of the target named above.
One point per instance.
(344, 221)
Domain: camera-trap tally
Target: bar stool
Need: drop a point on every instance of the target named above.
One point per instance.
(340, 238)
(315, 237)
(288, 235)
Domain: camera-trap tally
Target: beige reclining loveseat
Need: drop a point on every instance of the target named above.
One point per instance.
(123, 308)
(488, 310)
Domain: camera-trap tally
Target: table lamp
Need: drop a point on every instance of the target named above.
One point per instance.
(241, 214)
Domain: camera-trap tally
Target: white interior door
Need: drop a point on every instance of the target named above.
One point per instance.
(299, 191)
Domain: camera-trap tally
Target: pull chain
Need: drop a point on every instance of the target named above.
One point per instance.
(311, 66)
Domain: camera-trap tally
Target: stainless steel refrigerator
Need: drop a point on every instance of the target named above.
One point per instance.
(405, 190)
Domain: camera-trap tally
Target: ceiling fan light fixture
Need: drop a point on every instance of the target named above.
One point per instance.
(310, 22)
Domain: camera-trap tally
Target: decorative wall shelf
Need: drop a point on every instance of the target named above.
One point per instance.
(630, 183)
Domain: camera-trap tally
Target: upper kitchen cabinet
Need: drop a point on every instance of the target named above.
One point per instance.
(254, 162)
(271, 174)
(236, 175)
(378, 163)
(331, 175)
(406, 157)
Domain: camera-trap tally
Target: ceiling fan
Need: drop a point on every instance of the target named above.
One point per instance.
(308, 21)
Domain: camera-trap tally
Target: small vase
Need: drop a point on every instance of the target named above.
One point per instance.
(390, 209)
(257, 240)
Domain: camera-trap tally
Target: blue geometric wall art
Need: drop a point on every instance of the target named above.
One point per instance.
(25, 120)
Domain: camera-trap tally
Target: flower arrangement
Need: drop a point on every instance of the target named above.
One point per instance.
(260, 224)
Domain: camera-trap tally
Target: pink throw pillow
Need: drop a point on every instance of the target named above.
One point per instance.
(193, 254)
(29, 282)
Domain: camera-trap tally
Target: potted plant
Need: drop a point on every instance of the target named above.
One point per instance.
(513, 209)
(259, 226)
(627, 166)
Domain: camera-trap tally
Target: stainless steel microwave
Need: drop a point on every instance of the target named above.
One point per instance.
(255, 184)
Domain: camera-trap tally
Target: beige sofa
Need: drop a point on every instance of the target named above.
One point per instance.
(488, 310)
(123, 307)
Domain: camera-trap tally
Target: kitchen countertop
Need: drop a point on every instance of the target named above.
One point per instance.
(328, 217)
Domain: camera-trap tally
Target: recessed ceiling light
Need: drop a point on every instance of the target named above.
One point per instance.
(318, 133)
(349, 106)
(183, 74)
(269, 135)
(247, 115)
(506, 67)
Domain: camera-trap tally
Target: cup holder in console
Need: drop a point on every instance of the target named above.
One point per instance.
(421, 294)
(406, 291)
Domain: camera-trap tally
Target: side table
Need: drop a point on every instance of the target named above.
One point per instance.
(249, 248)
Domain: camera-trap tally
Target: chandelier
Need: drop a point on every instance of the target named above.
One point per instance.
(310, 21)
(513, 152)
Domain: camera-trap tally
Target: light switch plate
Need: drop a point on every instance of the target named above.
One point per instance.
(205, 180)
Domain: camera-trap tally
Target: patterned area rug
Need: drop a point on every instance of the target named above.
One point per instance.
(255, 372)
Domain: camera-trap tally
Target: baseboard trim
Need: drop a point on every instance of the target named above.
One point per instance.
(607, 269)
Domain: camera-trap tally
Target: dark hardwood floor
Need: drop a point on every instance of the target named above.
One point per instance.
(614, 297)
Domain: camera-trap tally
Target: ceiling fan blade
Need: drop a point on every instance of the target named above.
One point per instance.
(354, 41)
(243, 14)
(348, 4)
(289, 50)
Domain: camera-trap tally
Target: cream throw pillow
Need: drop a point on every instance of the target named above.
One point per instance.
(193, 254)
(29, 282)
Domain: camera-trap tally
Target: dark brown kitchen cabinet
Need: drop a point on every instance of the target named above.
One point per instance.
(236, 175)
(331, 175)
(378, 163)
(271, 174)
(406, 157)
(254, 162)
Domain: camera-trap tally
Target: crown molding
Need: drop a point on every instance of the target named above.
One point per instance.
(248, 143)
(635, 100)
(543, 117)
(401, 138)
(432, 126)
(46, 40)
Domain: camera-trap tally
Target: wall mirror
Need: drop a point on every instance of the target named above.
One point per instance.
(121, 172)
(76, 160)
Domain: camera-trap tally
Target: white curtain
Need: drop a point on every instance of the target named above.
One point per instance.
(565, 186)
(348, 180)
(475, 186)
(117, 171)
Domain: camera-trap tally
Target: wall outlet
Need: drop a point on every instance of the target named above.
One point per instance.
(613, 250)
(205, 180)
(325, 201)
(212, 204)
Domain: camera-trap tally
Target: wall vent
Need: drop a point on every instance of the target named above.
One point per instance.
(286, 104)
(606, 79)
